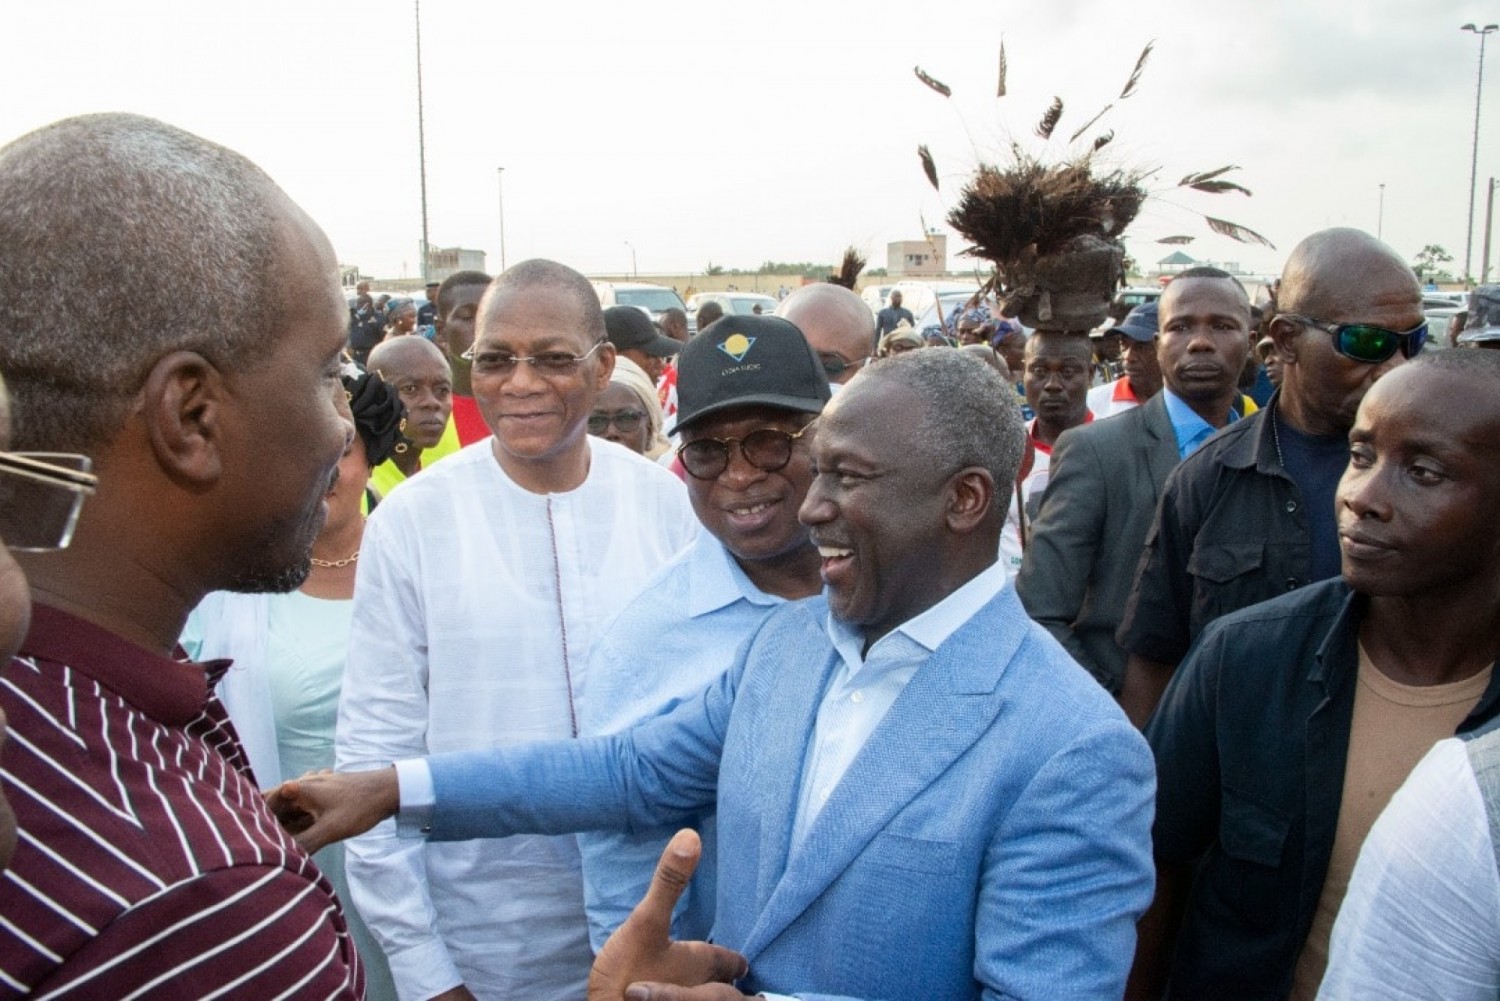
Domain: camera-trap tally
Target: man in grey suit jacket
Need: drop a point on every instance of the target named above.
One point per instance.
(919, 793)
(1080, 561)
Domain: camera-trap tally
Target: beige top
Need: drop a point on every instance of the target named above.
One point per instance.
(1394, 725)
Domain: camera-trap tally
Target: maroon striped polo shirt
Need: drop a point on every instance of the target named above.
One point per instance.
(148, 865)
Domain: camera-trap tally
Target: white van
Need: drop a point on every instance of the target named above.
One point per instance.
(653, 300)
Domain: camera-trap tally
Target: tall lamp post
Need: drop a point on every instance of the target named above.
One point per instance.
(1380, 218)
(1483, 33)
(635, 272)
(500, 172)
(422, 145)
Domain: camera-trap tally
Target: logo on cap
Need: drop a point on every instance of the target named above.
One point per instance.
(737, 346)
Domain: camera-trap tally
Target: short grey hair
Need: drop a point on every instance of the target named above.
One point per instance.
(125, 239)
(969, 415)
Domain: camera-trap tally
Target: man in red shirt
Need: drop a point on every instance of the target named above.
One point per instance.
(147, 864)
(457, 306)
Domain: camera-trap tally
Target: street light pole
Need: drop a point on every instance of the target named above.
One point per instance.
(1489, 219)
(635, 272)
(1483, 33)
(1380, 219)
(500, 172)
(422, 145)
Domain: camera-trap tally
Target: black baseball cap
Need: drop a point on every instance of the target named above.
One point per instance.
(743, 361)
(628, 327)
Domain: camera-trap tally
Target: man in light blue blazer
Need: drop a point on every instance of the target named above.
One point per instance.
(920, 795)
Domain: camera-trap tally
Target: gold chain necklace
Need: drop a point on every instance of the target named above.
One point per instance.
(334, 563)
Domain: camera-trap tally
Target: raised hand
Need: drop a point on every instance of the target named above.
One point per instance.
(640, 959)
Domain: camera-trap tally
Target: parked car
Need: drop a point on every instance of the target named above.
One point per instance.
(733, 304)
(1128, 298)
(1439, 319)
(653, 300)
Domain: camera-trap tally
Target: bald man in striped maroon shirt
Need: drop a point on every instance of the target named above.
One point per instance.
(168, 312)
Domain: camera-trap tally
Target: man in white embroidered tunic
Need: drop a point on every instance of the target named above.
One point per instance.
(481, 587)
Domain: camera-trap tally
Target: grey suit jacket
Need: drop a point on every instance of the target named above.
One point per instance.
(1080, 562)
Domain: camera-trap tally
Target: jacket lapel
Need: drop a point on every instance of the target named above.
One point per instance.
(948, 703)
(1161, 451)
(793, 706)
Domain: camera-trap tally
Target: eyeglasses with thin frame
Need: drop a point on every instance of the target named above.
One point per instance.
(503, 363)
(834, 366)
(767, 449)
(41, 494)
(1365, 342)
(628, 421)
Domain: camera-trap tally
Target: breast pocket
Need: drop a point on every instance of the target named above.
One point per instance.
(1252, 836)
(1222, 575)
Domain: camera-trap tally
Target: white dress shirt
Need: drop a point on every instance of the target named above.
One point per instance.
(476, 606)
(865, 685)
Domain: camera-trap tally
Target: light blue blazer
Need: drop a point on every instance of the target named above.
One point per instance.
(991, 840)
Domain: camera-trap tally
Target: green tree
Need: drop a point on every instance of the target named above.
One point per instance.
(713, 269)
(1430, 259)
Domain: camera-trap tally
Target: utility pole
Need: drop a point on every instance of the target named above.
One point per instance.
(422, 146)
(500, 171)
(1483, 33)
(1489, 216)
(1380, 218)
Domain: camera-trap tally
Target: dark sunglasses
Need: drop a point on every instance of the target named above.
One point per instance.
(834, 366)
(626, 420)
(1365, 342)
(767, 449)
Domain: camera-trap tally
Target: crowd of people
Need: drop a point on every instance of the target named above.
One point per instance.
(1149, 661)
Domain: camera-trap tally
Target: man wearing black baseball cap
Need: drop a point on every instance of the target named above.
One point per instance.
(637, 338)
(1142, 378)
(747, 391)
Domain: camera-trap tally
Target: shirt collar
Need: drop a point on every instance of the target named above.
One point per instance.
(930, 628)
(1123, 391)
(717, 579)
(172, 692)
(1190, 429)
(1043, 447)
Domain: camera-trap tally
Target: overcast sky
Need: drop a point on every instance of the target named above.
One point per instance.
(785, 130)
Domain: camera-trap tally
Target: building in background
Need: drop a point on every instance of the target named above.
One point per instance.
(918, 258)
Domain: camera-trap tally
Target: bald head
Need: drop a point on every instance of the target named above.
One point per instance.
(835, 321)
(539, 273)
(1345, 274)
(127, 239)
(400, 356)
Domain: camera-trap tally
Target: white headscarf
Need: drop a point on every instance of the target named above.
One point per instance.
(634, 378)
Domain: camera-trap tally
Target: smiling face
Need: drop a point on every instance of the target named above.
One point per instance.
(876, 508)
(1205, 335)
(539, 418)
(1416, 503)
(753, 512)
